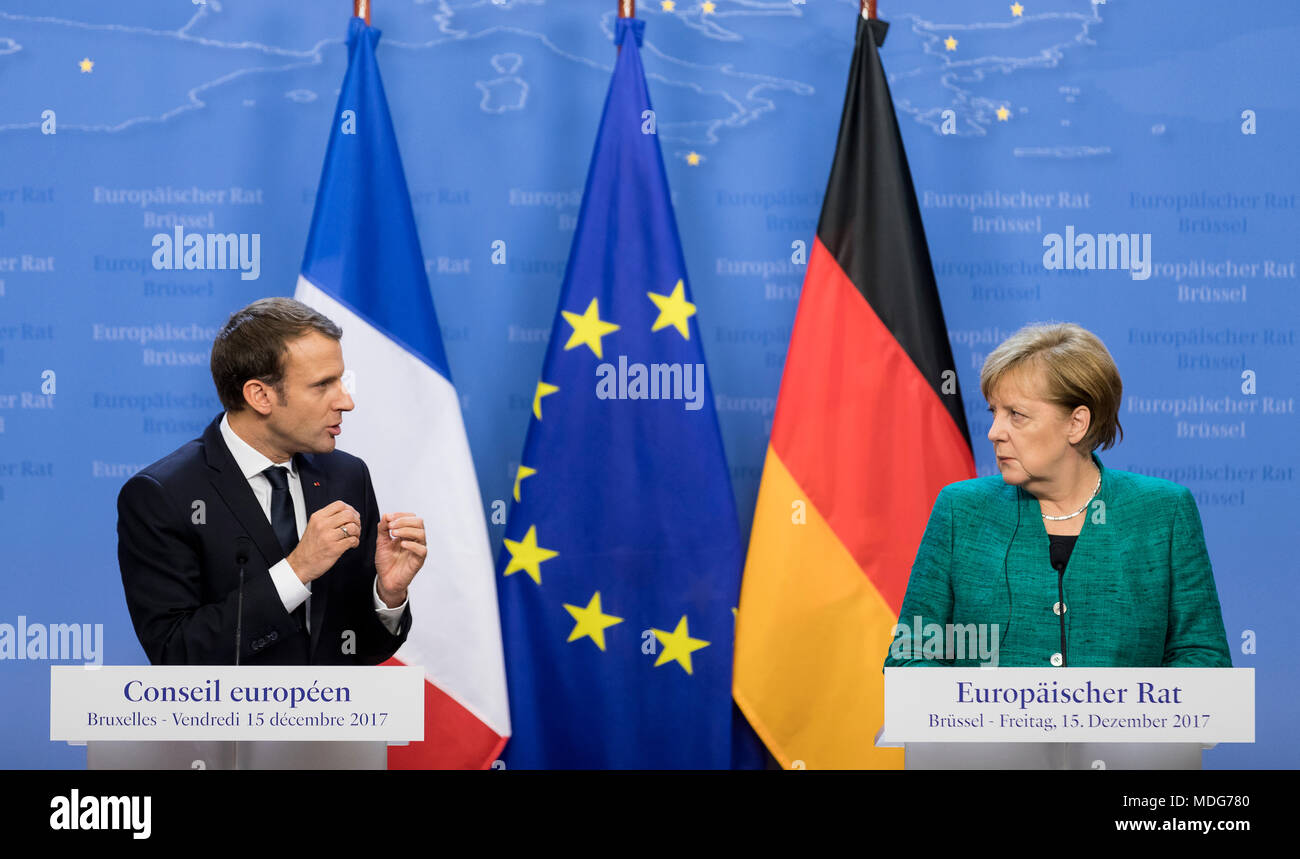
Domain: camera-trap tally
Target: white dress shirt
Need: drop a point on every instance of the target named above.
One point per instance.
(291, 589)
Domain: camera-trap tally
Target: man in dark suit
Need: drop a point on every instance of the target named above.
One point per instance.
(265, 497)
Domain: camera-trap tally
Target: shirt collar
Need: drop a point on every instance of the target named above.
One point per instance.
(248, 458)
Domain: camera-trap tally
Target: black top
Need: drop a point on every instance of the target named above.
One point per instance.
(1062, 546)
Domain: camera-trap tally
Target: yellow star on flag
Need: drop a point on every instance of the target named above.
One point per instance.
(86, 65)
(678, 645)
(674, 310)
(543, 390)
(950, 43)
(708, 8)
(668, 5)
(693, 159)
(588, 328)
(524, 471)
(526, 555)
(1017, 10)
(1003, 114)
(591, 621)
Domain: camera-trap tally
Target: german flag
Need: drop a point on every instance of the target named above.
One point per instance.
(868, 428)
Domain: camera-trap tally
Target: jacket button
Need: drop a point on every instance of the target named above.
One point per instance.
(1059, 608)
(1056, 660)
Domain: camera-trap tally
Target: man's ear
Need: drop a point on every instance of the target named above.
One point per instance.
(260, 396)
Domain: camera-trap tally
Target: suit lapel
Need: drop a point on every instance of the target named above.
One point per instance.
(232, 486)
(1094, 550)
(994, 528)
(1030, 553)
(995, 534)
(315, 494)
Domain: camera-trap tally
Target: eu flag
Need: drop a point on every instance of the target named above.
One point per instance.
(621, 564)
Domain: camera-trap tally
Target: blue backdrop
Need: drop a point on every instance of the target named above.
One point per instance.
(122, 121)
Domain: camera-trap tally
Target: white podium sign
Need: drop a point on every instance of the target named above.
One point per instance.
(925, 704)
(225, 702)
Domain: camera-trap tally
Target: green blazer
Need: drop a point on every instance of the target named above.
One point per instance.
(1138, 587)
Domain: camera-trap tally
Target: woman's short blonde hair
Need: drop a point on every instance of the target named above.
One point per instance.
(1075, 370)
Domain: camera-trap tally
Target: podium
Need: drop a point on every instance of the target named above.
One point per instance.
(1053, 756)
(1064, 718)
(232, 755)
(236, 718)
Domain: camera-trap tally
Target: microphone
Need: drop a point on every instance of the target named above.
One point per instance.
(1060, 598)
(241, 558)
(1060, 556)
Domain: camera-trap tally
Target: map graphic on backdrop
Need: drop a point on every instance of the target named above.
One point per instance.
(935, 78)
(121, 122)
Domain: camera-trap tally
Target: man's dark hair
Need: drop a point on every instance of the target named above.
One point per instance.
(254, 343)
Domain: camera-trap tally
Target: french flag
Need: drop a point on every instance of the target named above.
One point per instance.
(364, 269)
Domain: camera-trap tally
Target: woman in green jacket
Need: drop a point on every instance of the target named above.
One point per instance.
(1076, 564)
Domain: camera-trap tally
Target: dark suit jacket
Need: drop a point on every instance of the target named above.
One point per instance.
(182, 525)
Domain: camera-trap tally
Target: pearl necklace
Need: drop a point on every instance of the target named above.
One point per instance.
(1081, 509)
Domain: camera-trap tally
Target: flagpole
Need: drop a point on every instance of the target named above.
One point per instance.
(361, 9)
(626, 9)
(868, 8)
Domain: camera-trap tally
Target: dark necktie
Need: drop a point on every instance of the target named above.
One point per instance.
(284, 522)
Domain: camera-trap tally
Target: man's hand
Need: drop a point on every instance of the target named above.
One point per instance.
(324, 540)
(399, 554)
